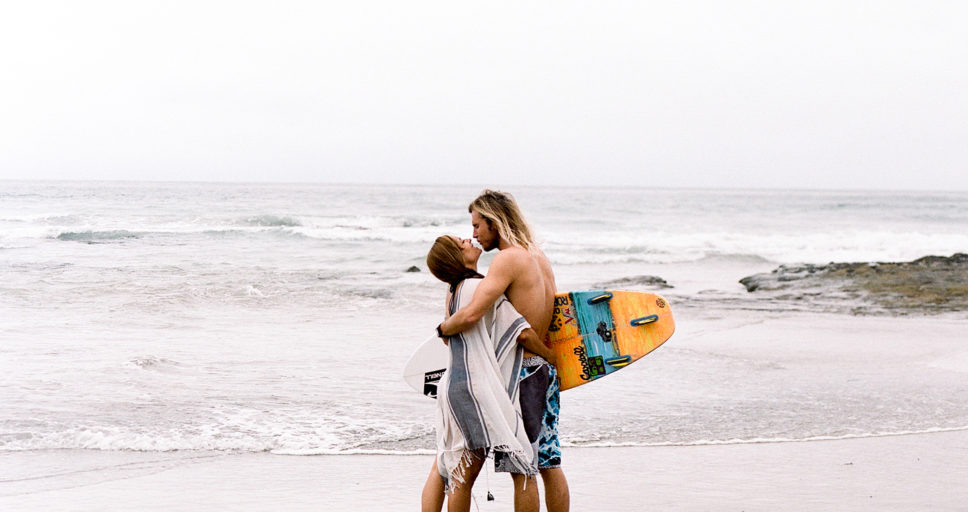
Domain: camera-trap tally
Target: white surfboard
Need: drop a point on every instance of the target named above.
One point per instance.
(426, 366)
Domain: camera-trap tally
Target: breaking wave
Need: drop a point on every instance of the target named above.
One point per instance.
(272, 221)
(98, 236)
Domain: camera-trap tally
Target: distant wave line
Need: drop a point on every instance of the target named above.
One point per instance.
(87, 236)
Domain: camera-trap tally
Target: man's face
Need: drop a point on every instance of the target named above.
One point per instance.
(483, 232)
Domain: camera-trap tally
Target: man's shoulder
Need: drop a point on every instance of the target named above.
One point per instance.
(512, 256)
(519, 262)
(521, 254)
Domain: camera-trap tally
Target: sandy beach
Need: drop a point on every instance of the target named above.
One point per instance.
(895, 473)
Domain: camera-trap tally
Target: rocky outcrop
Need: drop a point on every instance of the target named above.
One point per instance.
(930, 284)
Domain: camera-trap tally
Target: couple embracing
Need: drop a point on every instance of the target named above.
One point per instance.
(499, 395)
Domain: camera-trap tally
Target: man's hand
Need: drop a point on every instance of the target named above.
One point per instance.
(530, 341)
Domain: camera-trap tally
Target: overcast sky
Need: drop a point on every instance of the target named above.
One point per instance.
(789, 94)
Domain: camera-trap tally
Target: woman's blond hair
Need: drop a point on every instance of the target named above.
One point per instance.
(501, 212)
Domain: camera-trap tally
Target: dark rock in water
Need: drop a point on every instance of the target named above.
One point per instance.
(634, 281)
(932, 284)
(413, 268)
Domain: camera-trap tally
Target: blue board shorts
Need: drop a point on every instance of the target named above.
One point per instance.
(538, 393)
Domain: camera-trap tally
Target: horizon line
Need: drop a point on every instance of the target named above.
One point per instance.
(752, 188)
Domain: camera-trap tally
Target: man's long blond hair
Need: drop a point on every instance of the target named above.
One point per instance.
(501, 211)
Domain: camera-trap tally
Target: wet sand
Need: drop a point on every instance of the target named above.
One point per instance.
(896, 473)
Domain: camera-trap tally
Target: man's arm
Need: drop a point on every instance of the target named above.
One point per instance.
(530, 341)
(499, 276)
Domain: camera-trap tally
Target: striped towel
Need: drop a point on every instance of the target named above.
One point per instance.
(477, 397)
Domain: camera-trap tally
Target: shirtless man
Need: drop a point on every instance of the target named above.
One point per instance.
(522, 272)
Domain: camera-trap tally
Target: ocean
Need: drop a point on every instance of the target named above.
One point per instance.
(277, 317)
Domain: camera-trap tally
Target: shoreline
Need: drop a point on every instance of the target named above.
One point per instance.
(921, 471)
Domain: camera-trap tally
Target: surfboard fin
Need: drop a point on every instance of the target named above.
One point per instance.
(644, 320)
(600, 298)
(619, 362)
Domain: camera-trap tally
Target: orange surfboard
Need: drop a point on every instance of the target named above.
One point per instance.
(596, 333)
(593, 334)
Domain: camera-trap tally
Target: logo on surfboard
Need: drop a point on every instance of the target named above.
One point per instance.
(562, 315)
(591, 367)
(430, 382)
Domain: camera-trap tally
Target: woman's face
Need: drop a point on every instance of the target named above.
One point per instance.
(469, 251)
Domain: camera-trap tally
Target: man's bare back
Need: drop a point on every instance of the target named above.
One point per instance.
(532, 292)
